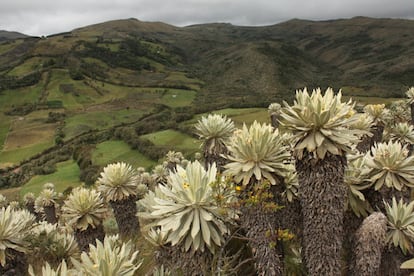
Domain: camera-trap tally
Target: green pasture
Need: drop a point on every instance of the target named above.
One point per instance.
(178, 97)
(16, 97)
(238, 115)
(83, 122)
(174, 140)
(182, 78)
(371, 100)
(82, 95)
(114, 47)
(4, 128)
(54, 46)
(119, 151)
(29, 130)
(148, 95)
(4, 47)
(97, 62)
(26, 136)
(66, 175)
(15, 156)
(29, 65)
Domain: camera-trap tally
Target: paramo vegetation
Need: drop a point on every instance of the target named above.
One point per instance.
(325, 189)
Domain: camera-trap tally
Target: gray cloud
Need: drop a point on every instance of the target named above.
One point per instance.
(45, 17)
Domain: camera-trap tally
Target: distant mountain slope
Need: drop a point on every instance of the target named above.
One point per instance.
(125, 78)
(237, 65)
(5, 35)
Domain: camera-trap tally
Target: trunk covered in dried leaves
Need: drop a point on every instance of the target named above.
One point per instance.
(367, 142)
(391, 261)
(322, 195)
(31, 208)
(412, 113)
(89, 236)
(187, 263)
(258, 224)
(376, 198)
(215, 155)
(50, 214)
(290, 216)
(125, 215)
(351, 225)
(16, 264)
(274, 120)
(369, 245)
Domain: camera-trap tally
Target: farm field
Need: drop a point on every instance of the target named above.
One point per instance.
(175, 141)
(118, 151)
(66, 175)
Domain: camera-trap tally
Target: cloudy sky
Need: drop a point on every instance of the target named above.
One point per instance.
(44, 17)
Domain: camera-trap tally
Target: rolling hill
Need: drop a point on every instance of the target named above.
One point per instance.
(125, 79)
(5, 35)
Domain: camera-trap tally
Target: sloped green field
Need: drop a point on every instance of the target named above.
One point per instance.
(174, 140)
(119, 151)
(66, 175)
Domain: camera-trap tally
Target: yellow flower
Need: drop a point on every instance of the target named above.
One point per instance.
(186, 185)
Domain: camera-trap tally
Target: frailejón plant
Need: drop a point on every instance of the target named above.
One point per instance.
(257, 151)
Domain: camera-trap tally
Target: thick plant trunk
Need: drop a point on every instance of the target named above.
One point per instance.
(50, 213)
(322, 196)
(377, 198)
(391, 261)
(214, 155)
(274, 120)
(89, 236)
(16, 264)
(367, 142)
(369, 245)
(31, 208)
(351, 225)
(186, 263)
(125, 214)
(290, 216)
(258, 223)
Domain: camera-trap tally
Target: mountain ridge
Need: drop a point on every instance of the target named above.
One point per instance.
(9, 35)
(292, 54)
(107, 76)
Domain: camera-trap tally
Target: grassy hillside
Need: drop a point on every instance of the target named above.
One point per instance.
(118, 151)
(6, 36)
(131, 80)
(67, 175)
